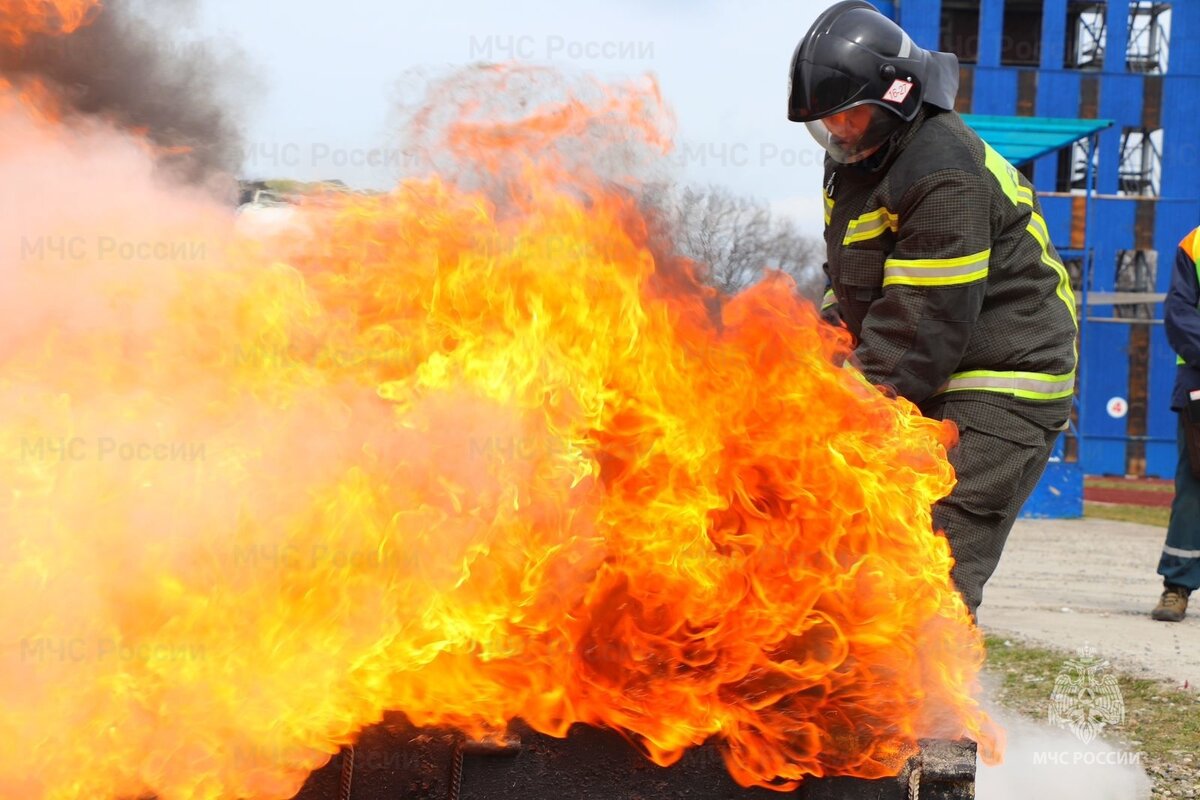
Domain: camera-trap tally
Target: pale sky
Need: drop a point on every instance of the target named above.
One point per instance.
(330, 71)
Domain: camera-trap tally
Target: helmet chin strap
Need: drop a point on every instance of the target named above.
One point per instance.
(880, 155)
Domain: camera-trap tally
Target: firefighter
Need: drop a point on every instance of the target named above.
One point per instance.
(940, 265)
(1179, 564)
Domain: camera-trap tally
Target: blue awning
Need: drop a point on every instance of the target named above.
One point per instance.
(1023, 139)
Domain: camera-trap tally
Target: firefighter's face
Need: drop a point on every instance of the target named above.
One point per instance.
(854, 134)
(850, 125)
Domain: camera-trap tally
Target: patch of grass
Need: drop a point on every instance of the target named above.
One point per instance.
(1133, 486)
(1161, 721)
(1146, 515)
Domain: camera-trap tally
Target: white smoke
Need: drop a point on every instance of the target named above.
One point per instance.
(1041, 761)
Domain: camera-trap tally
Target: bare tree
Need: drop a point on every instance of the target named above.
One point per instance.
(736, 238)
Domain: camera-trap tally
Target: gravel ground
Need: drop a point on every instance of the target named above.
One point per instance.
(1066, 585)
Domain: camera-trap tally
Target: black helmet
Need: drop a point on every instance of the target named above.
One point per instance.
(855, 56)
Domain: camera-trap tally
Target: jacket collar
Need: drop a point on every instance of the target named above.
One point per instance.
(883, 158)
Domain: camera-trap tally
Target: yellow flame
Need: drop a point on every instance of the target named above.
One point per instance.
(467, 461)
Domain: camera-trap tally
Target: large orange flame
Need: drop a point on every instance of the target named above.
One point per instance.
(467, 458)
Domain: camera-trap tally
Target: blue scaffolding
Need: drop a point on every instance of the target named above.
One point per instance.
(1117, 200)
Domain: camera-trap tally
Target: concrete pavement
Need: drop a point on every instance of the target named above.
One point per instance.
(1068, 584)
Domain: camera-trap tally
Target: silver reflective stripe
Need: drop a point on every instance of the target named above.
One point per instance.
(874, 225)
(936, 272)
(1031, 385)
(828, 300)
(1039, 229)
(1041, 234)
(1175, 551)
(868, 226)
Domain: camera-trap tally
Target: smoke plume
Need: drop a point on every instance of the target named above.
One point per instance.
(137, 67)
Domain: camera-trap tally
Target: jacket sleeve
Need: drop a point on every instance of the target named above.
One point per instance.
(1180, 314)
(829, 304)
(914, 336)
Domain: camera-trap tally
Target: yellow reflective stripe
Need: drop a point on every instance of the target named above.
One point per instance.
(1026, 385)
(936, 271)
(828, 206)
(870, 225)
(848, 366)
(1038, 230)
(1006, 175)
(828, 300)
(1010, 183)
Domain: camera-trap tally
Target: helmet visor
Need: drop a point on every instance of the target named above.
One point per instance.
(854, 134)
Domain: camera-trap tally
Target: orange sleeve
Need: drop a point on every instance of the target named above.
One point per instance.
(1189, 243)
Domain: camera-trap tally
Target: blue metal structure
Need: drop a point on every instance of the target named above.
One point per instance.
(1129, 62)
(1024, 139)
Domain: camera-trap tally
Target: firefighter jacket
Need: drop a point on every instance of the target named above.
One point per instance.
(1181, 317)
(941, 266)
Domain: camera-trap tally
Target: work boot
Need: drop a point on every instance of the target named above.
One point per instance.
(1172, 605)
